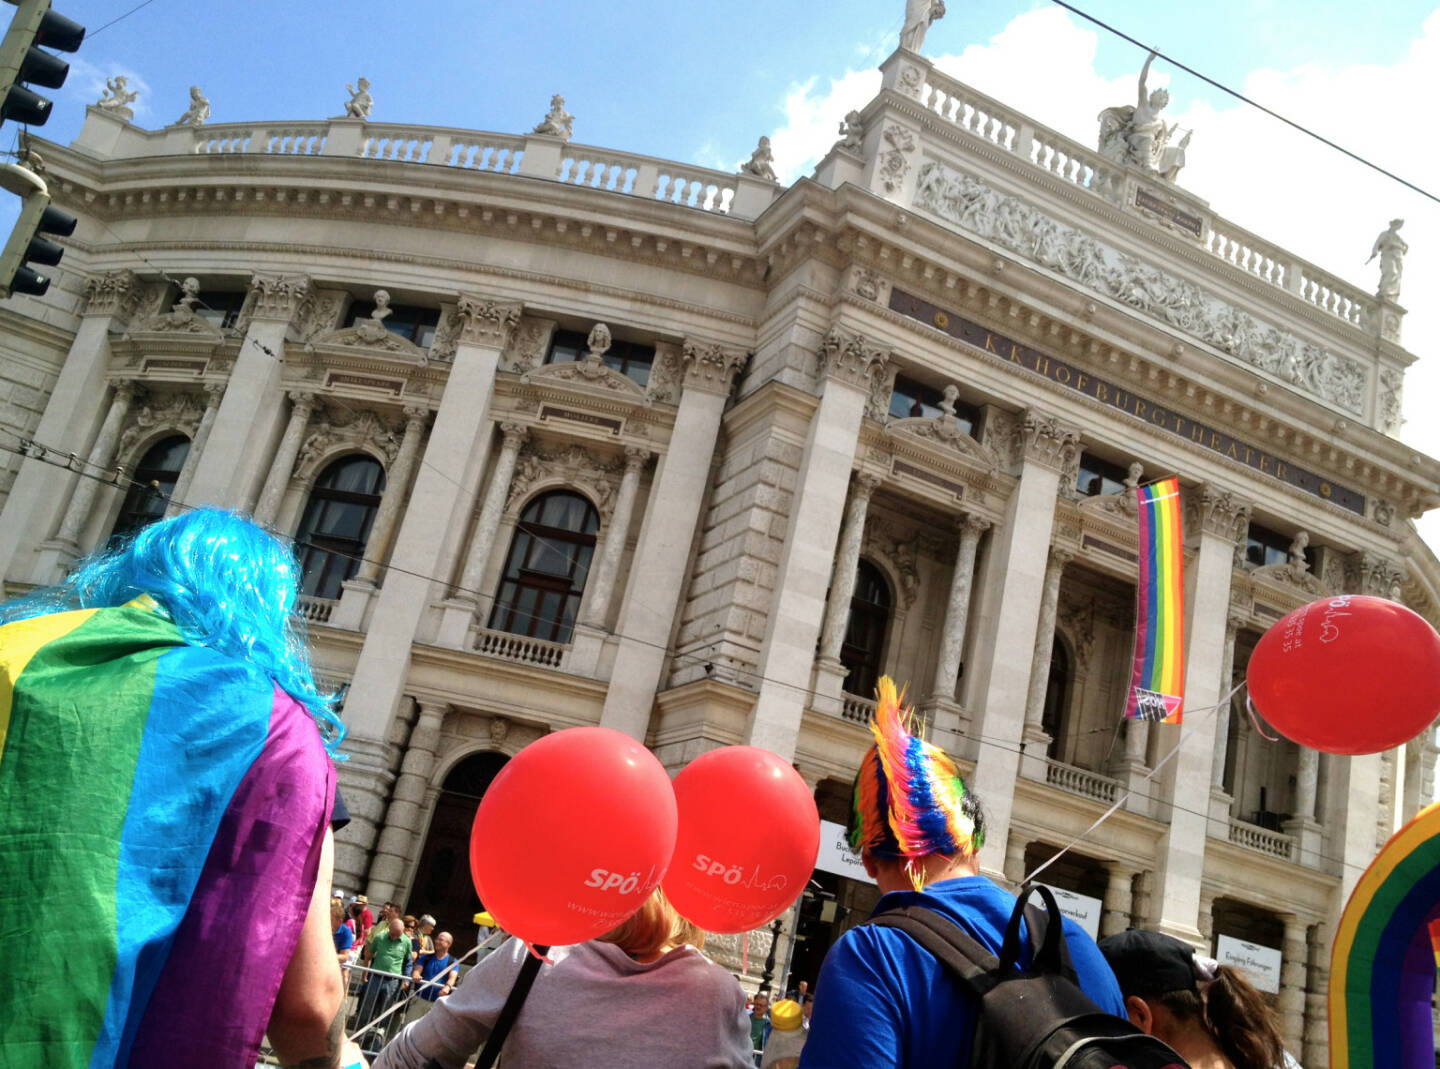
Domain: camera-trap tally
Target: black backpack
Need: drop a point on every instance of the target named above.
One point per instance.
(1035, 1018)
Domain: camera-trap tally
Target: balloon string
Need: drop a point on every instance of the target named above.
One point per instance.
(1255, 720)
(536, 953)
(1103, 817)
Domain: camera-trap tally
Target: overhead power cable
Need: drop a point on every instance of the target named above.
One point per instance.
(1253, 103)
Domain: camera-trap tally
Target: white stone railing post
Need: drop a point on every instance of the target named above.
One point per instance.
(302, 405)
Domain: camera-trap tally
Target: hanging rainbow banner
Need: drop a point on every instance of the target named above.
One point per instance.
(1157, 684)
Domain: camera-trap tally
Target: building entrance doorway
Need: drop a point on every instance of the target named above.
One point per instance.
(443, 887)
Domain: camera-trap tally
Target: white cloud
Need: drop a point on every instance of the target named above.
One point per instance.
(1256, 173)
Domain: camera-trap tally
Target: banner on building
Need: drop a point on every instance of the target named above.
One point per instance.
(1157, 683)
(1260, 964)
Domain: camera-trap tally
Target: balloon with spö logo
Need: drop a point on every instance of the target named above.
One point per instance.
(1347, 675)
(748, 837)
(573, 835)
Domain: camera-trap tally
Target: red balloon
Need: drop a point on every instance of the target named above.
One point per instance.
(748, 839)
(573, 835)
(1347, 675)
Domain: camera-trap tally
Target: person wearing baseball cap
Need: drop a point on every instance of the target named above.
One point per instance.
(1208, 1012)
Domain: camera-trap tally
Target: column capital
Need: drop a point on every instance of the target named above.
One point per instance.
(1369, 573)
(1215, 511)
(636, 457)
(850, 358)
(711, 368)
(485, 322)
(1233, 623)
(431, 709)
(1046, 441)
(415, 413)
(866, 483)
(971, 525)
(514, 433)
(1059, 557)
(115, 293)
(277, 297)
(126, 390)
(301, 399)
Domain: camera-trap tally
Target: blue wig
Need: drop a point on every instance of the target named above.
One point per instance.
(224, 582)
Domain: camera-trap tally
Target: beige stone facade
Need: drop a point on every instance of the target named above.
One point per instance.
(857, 427)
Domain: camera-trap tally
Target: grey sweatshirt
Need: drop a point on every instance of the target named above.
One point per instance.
(595, 1007)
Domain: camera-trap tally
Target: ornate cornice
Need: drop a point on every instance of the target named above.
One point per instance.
(277, 297)
(711, 368)
(847, 357)
(1044, 440)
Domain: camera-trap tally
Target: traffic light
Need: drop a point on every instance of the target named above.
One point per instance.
(21, 60)
(36, 217)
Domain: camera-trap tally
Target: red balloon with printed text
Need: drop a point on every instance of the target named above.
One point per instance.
(572, 836)
(1347, 675)
(748, 837)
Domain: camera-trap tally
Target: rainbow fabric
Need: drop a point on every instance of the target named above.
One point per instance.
(908, 794)
(1382, 966)
(162, 810)
(1157, 683)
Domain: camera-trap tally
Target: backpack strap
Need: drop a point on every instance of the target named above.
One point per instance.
(1049, 953)
(955, 948)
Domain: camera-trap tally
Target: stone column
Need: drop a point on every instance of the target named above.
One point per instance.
(302, 404)
(1035, 740)
(456, 453)
(848, 364)
(1206, 921)
(830, 679)
(461, 607)
(1354, 811)
(1010, 607)
(1316, 1050)
(1015, 860)
(35, 506)
(667, 531)
(589, 636)
(397, 845)
(178, 497)
(1309, 840)
(1413, 798)
(1222, 715)
(397, 485)
(248, 423)
(957, 607)
(1116, 911)
(82, 501)
(1219, 521)
(1291, 1002)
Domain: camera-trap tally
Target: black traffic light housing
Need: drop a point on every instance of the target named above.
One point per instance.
(26, 245)
(21, 59)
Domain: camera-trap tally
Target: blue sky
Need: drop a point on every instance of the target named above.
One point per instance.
(701, 83)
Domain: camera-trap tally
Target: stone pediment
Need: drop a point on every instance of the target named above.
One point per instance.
(587, 376)
(1293, 577)
(371, 338)
(1119, 506)
(944, 433)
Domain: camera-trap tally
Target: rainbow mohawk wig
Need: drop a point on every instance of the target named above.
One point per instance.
(909, 798)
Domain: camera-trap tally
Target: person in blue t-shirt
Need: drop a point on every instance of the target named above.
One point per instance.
(881, 998)
(436, 973)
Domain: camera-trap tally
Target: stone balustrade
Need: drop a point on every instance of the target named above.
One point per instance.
(626, 173)
(519, 648)
(990, 121)
(315, 610)
(1254, 837)
(1081, 781)
(856, 709)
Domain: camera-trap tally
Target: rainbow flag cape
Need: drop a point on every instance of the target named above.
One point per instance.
(1157, 683)
(162, 809)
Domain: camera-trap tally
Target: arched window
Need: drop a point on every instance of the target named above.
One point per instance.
(1052, 717)
(865, 632)
(336, 524)
(154, 480)
(546, 568)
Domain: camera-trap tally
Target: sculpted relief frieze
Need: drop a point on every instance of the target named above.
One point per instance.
(970, 203)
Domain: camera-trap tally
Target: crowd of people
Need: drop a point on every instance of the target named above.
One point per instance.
(181, 645)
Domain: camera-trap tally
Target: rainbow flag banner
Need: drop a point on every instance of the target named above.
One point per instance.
(162, 808)
(1157, 683)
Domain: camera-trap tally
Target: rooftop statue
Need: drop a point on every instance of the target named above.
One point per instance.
(852, 132)
(360, 102)
(919, 14)
(1139, 137)
(197, 112)
(557, 122)
(761, 162)
(1391, 249)
(117, 99)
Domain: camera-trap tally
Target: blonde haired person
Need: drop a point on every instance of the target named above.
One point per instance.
(642, 994)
